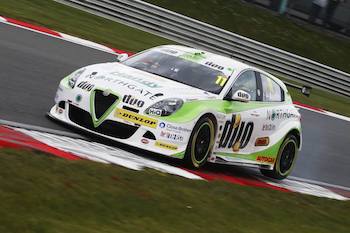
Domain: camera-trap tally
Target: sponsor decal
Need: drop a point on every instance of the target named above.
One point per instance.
(169, 51)
(155, 112)
(236, 133)
(78, 98)
(129, 99)
(265, 159)
(136, 79)
(236, 146)
(191, 99)
(213, 65)
(195, 57)
(144, 141)
(91, 75)
(220, 80)
(133, 87)
(172, 136)
(280, 114)
(171, 127)
(242, 95)
(166, 145)
(263, 141)
(268, 127)
(135, 118)
(86, 86)
(59, 110)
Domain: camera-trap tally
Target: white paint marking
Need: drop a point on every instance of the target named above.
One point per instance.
(335, 115)
(324, 112)
(110, 51)
(99, 152)
(40, 129)
(107, 154)
(319, 183)
(2, 19)
(87, 43)
(305, 188)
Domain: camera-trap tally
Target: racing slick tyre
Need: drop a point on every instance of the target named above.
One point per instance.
(285, 160)
(201, 143)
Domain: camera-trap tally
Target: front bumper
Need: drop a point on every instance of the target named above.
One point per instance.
(121, 131)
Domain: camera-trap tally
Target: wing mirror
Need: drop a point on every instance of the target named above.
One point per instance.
(241, 95)
(122, 57)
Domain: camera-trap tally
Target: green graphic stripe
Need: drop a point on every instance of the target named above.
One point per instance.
(195, 57)
(64, 82)
(180, 155)
(192, 109)
(270, 152)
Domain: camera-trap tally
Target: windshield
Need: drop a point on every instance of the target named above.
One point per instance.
(179, 69)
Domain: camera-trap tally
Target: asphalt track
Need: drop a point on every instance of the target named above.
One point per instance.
(32, 64)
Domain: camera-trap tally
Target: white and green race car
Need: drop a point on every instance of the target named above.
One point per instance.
(189, 104)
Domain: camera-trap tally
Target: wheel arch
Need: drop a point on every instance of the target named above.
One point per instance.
(212, 117)
(189, 154)
(297, 134)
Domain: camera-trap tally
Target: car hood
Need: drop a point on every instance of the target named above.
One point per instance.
(124, 80)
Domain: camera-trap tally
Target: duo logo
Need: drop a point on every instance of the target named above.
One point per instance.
(236, 132)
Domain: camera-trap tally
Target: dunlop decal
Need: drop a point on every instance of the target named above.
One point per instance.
(135, 118)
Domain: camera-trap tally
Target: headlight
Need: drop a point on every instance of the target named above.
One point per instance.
(164, 107)
(73, 78)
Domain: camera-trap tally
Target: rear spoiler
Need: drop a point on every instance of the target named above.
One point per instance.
(306, 90)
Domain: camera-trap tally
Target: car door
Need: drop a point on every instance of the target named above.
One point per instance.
(277, 112)
(238, 132)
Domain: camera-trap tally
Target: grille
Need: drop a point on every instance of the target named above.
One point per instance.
(108, 127)
(102, 102)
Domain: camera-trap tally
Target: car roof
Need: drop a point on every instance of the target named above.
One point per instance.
(209, 56)
(238, 66)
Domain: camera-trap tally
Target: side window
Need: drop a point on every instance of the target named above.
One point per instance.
(272, 92)
(246, 82)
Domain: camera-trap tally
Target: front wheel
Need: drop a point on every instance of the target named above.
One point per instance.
(201, 143)
(285, 161)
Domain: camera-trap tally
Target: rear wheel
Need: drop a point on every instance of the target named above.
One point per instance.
(285, 161)
(201, 143)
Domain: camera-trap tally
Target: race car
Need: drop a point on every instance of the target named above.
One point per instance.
(189, 104)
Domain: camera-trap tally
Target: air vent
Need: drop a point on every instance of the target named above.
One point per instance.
(62, 104)
(149, 135)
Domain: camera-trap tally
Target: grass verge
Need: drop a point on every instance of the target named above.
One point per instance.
(262, 25)
(75, 22)
(40, 193)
